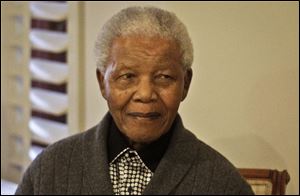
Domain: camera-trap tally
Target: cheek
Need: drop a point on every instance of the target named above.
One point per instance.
(171, 98)
(118, 99)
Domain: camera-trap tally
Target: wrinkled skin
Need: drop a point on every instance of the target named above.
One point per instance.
(144, 84)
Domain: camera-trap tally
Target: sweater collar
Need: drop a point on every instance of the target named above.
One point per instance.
(150, 154)
(173, 166)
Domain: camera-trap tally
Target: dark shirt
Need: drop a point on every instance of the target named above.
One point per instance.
(150, 154)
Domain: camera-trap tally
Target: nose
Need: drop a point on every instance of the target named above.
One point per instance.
(145, 92)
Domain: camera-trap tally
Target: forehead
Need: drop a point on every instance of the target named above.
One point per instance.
(131, 49)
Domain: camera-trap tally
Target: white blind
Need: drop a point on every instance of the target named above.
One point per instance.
(40, 74)
(49, 73)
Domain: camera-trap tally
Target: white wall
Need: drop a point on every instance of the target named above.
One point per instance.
(244, 95)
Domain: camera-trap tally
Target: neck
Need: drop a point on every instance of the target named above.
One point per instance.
(136, 145)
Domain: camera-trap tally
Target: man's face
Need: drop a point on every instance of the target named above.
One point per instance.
(144, 84)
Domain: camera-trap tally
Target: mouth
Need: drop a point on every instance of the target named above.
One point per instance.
(148, 115)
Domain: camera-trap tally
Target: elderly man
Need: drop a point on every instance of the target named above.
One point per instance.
(144, 58)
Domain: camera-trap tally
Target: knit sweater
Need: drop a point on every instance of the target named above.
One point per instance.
(79, 165)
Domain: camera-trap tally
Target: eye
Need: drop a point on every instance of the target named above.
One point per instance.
(164, 77)
(126, 76)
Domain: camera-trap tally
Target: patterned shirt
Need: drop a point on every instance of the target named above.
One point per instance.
(129, 175)
(130, 170)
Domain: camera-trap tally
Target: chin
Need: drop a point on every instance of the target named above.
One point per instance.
(142, 138)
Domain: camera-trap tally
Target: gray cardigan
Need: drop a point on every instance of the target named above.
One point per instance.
(79, 165)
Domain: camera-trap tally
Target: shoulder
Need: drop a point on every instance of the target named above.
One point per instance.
(61, 152)
(64, 162)
(90, 137)
(208, 155)
(67, 145)
(55, 162)
(219, 173)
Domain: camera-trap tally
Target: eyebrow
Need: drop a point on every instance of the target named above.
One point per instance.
(123, 66)
(162, 65)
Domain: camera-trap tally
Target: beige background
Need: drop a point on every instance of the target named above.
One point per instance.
(244, 95)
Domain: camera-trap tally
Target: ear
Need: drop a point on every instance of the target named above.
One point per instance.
(101, 82)
(187, 81)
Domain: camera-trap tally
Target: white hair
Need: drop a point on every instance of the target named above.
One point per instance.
(144, 21)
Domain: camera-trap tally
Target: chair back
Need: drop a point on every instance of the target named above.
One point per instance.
(266, 181)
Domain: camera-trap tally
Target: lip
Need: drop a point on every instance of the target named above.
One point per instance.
(147, 115)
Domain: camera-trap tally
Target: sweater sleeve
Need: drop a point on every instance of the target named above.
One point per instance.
(27, 186)
(237, 185)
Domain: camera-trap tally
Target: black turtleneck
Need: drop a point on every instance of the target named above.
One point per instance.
(151, 154)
